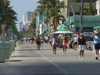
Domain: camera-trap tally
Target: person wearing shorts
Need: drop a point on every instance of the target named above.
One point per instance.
(81, 46)
(42, 39)
(64, 43)
(54, 41)
(74, 40)
(96, 39)
(38, 42)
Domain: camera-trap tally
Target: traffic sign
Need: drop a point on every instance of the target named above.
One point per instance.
(1, 10)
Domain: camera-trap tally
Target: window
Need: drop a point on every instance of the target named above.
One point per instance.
(94, 1)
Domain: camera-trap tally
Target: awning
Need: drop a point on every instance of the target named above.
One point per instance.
(62, 32)
(62, 26)
(43, 34)
(97, 27)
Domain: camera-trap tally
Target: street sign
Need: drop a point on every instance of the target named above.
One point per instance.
(1, 10)
(88, 33)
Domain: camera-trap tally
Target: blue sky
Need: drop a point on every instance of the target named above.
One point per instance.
(22, 6)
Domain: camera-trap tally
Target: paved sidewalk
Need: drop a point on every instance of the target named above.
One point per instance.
(27, 60)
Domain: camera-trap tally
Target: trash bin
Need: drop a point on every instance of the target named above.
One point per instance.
(8, 49)
(3, 47)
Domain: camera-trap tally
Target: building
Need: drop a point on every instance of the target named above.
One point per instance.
(98, 7)
(89, 22)
(26, 20)
(40, 23)
(20, 25)
(74, 7)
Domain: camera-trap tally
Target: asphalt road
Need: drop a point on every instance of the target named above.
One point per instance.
(27, 60)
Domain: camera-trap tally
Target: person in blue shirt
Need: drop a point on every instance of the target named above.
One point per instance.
(96, 39)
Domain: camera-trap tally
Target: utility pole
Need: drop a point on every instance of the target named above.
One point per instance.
(81, 17)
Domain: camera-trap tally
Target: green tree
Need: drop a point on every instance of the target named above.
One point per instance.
(51, 8)
(9, 15)
(91, 10)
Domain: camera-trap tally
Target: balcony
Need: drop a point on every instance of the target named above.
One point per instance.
(85, 1)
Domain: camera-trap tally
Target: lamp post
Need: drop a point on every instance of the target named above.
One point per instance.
(81, 16)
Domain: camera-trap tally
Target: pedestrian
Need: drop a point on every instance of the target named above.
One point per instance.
(81, 46)
(50, 41)
(64, 43)
(42, 40)
(96, 39)
(54, 41)
(74, 40)
(38, 43)
(29, 38)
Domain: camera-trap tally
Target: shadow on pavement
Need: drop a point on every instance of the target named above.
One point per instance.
(13, 60)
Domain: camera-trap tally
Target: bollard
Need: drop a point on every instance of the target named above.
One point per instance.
(3, 47)
(8, 49)
(13, 44)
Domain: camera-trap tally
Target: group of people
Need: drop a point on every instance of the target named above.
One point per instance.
(78, 43)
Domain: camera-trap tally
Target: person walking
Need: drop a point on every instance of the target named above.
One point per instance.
(38, 43)
(54, 41)
(74, 40)
(96, 39)
(64, 43)
(42, 40)
(81, 46)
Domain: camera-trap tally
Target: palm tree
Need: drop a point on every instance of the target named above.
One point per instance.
(91, 10)
(48, 6)
(9, 15)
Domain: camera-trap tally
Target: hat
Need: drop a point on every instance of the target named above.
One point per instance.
(81, 34)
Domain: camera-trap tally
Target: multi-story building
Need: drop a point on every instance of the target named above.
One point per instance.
(26, 20)
(41, 26)
(98, 7)
(74, 7)
(28, 16)
(20, 25)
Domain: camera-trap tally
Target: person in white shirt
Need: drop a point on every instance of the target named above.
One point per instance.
(42, 39)
(75, 40)
(54, 42)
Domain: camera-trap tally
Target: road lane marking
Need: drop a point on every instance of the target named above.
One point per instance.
(62, 70)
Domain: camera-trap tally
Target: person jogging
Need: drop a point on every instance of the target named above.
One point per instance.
(64, 43)
(54, 42)
(96, 39)
(81, 46)
(38, 43)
